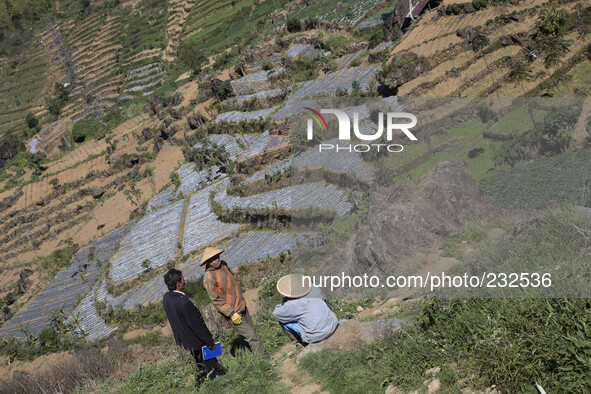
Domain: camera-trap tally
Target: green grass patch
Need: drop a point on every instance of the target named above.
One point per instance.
(229, 26)
(169, 375)
(471, 235)
(466, 133)
(556, 245)
(267, 327)
(343, 227)
(504, 342)
(137, 317)
(335, 10)
(360, 371)
(145, 29)
(479, 159)
(343, 307)
(85, 129)
(151, 338)
(517, 121)
(581, 71)
(485, 341)
(562, 178)
(245, 373)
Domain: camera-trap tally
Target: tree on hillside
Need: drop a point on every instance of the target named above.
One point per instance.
(293, 24)
(557, 127)
(551, 21)
(222, 90)
(61, 97)
(18, 15)
(554, 49)
(32, 121)
(521, 71)
(83, 7)
(134, 195)
(209, 154)
(191, 56)
(480, 42)
(509, 152)
(584, 23)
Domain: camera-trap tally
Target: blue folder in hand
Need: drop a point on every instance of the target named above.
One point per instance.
(208, 353)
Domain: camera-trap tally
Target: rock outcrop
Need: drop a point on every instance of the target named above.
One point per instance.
(403, 220)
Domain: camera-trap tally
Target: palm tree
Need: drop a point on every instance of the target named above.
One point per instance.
(521, 71)
(555, 49)
(480, 42)
(584, 28)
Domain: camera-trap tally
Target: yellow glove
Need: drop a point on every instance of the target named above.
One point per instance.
(236, 319)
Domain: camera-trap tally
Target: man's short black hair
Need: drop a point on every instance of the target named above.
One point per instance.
(171, 278)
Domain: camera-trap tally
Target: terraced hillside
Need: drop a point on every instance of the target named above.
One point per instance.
(153, 241)
(133, 183)
(24, 82)
(511, 31)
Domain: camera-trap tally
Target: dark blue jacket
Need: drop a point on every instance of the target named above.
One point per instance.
(187, 324)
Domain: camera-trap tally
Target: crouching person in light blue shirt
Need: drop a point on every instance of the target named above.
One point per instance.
(303, 314)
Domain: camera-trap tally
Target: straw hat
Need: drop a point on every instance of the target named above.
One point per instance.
(291, 286)
(209, 253)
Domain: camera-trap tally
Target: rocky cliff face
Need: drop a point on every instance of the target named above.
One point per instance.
(405, 219)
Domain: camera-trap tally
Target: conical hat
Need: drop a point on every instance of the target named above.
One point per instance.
(209, 253)
(291, 286)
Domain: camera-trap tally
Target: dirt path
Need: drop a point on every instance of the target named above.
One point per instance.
(296, 380)
(581, 132)
(174, 29)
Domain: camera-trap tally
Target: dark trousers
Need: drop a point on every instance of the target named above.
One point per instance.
(247, 331)
(294, 336)
(206, 369)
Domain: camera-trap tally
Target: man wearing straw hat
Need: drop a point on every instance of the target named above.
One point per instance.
(303, 314)
(226, 296)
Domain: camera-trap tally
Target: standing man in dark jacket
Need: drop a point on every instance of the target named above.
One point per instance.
(188, 327)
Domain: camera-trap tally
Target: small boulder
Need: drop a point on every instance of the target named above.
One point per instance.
(23, 283)
(433, 386)
(176, 99)
(97, 192)
(177, 113)
(430, 373)
(158, 145)
(147, 133)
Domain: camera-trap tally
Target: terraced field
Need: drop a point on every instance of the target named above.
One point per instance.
(254, 83)
(328, 83)
(438, 36)
(65, 290)
(177, 14)
(202, 226)
(247, 247)
(61, 204)
(21, 86)
(333, 10)
(326, 197)
(152, 238)
(216, 25)
(124, 54)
